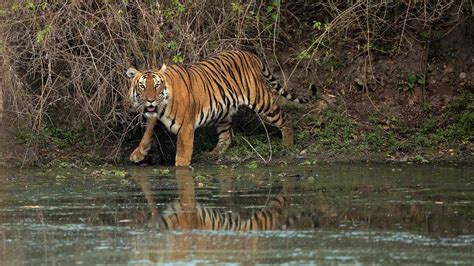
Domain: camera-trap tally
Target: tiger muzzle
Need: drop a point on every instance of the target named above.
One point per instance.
(150, 107)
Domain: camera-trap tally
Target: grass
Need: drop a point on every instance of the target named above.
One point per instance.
(332, 131)
(57, 137)
(455, 125)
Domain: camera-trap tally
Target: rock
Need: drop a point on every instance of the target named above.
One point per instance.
(462, 75)
(448, 68)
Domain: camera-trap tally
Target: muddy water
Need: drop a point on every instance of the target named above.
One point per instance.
(329, 214)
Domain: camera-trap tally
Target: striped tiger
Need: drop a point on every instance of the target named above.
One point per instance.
(179, 217)
(208, 92)
(187, 214)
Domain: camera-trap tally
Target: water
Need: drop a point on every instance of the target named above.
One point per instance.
(334, 214)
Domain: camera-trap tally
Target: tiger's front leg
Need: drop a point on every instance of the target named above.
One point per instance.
(142, 150)
(184, 146)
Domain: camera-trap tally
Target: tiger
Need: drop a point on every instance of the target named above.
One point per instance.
(208, 92)
(224, 229)
(271, 217)
(187, 214)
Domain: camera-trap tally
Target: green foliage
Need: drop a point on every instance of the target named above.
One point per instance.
(309, 162)
(62, 137)
(421, 159)
(381, 48)
(272, 14)
(200, 178)
(317, 25)
(173, 45)
(40, 35)
(425, 35)
(412, 80)
(119, 172)
(162, 171)
(58, 163)
(43, 6)
(380, 140)
(30, 5)
(2, 47)
(427, 107)
(241, 149)
(330, 61)
(178, 58)
(252, 165)
(304, 55)
(236, 7)
(456, 125)
(177, 8)
(335, 131)
(462, 128)
(114, 172)
(149, 32)
(462, 103)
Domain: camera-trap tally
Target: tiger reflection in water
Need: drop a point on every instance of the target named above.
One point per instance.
(186, 214)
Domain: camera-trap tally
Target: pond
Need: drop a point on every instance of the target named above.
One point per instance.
(244, 214)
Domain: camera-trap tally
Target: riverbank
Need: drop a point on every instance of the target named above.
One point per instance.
(388, 84)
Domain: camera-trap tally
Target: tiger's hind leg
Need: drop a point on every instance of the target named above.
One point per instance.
(225, 135)
(277, 118)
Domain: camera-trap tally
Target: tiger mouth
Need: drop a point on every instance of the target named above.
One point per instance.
(150, 109)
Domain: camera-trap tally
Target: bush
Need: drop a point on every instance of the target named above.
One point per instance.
(64, 61)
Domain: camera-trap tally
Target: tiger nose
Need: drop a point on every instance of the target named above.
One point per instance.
(150, 102)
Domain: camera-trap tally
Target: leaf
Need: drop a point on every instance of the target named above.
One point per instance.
(119, 173)
(252, 165)
(200, 177)
(275, 16)
(172, 45)
(421, 80)
(178, 59)
(30, 5)
(235, 7)
(44, 5)
(40, 35)
(2, 47)
(412, 77)
(317, 25)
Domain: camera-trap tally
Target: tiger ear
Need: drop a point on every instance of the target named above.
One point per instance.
(163, 68)
(131, 72)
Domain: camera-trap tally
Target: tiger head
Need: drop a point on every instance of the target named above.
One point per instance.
(148, 90)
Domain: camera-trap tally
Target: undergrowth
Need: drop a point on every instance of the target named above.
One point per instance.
(64, 62)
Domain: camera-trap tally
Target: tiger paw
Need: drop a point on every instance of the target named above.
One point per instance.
(137, 156)
(213, 155)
